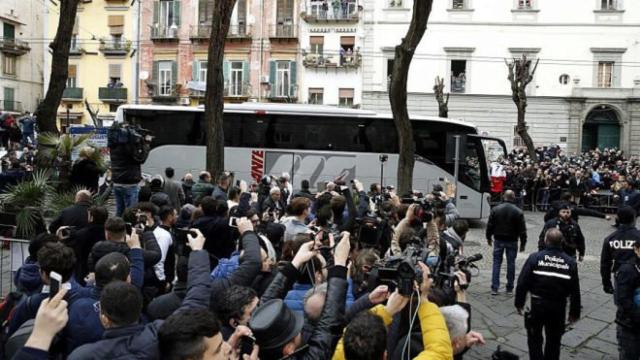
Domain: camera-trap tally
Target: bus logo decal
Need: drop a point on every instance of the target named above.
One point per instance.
(257, 164)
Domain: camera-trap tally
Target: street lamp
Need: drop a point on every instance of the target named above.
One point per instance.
(383, 158)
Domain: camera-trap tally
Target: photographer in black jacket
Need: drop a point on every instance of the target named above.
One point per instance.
(129, 148)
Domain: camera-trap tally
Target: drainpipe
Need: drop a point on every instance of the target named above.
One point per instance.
(261, 50)
(136, 82)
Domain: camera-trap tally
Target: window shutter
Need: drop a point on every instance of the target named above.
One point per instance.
(176, 12)
(174, 74)
(72, 71)
(202, 11)
(195, 70)
(272, 77)
(155, 77)
(347, 40)
(245, 71)
(116, 24)
(115, 71)
(346, 93)
(156, 12)
(226, 66)
(316, 40)
(293, 86)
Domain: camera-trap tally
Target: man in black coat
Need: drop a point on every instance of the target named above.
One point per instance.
(506, 224)
(573, 243)
(617, 248)
(76, 215)
(215, 227)
(82, 241)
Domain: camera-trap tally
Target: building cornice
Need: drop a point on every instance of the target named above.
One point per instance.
(488, 23)
(450, 49)
(608, 50)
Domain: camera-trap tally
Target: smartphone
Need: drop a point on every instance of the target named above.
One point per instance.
(129, 228)
(246, 345)
(66, 232)
(233, 222)
(55, 280)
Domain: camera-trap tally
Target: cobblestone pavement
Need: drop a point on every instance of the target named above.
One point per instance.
(593, 337)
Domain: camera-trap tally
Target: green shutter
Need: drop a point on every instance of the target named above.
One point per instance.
(272, 77)
(156, 12)
(292, 86)
(195, 70)
(155, 77)
(245, 71)
(176, 12)
(174, 74)
(226, 69)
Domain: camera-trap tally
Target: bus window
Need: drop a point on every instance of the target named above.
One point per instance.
(470, 172)
(381, 134)
(253, 133)
(169, 129)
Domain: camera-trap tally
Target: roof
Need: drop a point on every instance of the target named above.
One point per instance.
(306, 109)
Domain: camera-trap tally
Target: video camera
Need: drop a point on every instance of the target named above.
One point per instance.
(444, 276)
(399, 272)
(423, 212)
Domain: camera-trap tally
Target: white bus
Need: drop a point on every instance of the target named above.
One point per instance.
(318, 143)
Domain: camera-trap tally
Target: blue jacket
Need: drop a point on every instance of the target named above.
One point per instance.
(27, 278)
(28, 307)
(295, 297)
(84, 324)
(140, 341)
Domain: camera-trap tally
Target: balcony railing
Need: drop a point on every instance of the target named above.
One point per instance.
(108, 94)
(458, 83)
(76, 48)
(318, 11)
(115, 47)
(72, 94)
(203, 32)
(282, 31)
(11, 106)
(237, 90)
(344, 61)
(14, 46)
(164, 32)
(290, 96)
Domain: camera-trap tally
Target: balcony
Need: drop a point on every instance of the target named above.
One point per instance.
(11, 106)
(161, 32)
(240, 91)
(458, 83)
(276, 95)
(76, 49)
(14, 46)
(236, 32)
(283, 32)
(112, 95)
(316, 13)
(115, 47)
(72, 94)
(346, 61)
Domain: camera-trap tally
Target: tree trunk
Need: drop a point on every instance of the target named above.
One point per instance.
(398, 93)
(214, 99)
(441, 98)
(520, 75)
(46, 113)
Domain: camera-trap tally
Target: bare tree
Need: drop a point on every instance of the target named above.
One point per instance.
(48, 108)
(398, 92)
(214, 100)
(441, 98)
(520, 75)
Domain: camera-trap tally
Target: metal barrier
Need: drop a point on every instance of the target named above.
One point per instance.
(13, 253)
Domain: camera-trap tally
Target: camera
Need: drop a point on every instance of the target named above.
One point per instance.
(383, 157)
(400, 272)
(445, 275)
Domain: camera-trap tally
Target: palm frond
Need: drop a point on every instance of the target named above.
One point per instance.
(48, 139)
(59, 200)
(26, 222)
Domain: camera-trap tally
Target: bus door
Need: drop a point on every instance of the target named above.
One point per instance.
(488, 150)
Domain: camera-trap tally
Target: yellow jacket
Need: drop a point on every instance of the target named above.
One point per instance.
(435, 335)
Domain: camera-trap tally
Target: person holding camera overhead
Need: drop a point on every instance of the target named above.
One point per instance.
(506, 224)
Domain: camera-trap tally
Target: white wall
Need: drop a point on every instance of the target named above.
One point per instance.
(565, 31)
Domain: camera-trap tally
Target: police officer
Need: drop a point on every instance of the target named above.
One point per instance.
(573, 238)
(550, 276)
(628, 314)
(617, 248)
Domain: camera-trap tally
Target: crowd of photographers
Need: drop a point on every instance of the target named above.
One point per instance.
(229, 270)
